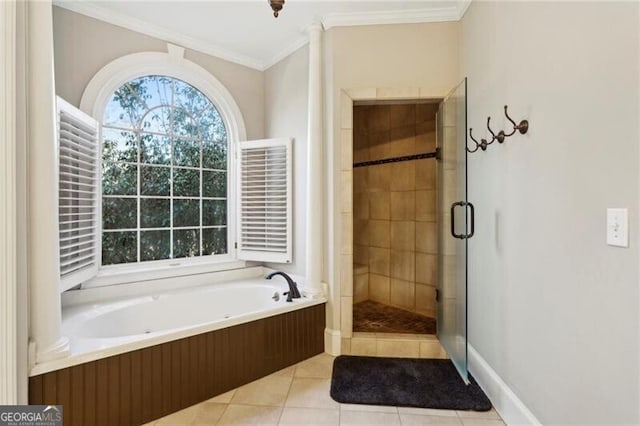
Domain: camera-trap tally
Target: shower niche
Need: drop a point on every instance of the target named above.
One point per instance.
(395, 232)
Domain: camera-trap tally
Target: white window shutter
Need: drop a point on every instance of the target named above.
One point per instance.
(265, 200)
(78, 195)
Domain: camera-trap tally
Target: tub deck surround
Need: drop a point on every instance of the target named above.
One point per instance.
(143, 385)
(101, 329)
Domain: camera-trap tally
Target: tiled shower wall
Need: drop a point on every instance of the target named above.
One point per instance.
(394, 206)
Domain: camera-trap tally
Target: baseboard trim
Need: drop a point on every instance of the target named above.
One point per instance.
(332, 341)
(505, 401)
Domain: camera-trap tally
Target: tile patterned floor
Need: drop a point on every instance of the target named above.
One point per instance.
(374, 317)
(299, 395)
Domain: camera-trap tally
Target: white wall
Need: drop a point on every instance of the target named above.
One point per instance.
(84, 45)
(552, 308)
(286, 108)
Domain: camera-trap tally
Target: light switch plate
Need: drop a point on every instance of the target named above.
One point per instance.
(618, 227)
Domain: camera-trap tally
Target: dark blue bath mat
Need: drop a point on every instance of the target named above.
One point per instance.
(404, 382)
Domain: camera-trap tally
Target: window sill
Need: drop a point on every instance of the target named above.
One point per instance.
(128, 274)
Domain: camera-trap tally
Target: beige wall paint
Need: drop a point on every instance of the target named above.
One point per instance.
(84, 45)
(286, 106)
(552, 308)
(397, 56)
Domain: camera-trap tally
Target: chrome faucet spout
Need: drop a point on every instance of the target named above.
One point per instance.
(293, 292)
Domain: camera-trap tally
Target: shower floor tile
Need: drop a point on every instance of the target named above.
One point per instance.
(374, 317)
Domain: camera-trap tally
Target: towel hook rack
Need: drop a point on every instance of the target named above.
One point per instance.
(521, 127)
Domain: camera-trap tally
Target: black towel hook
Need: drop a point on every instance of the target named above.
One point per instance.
(474, 141)
(483, 143)
(522, 127)
(493, 135)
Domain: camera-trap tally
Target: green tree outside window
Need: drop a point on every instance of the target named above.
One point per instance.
(164, 173)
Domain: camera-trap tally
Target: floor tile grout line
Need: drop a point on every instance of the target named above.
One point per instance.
(284, 403)
(280, 415)
(222, 415)
(257, 405)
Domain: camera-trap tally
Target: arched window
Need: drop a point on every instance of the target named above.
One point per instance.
(179, 186)
(165, 177)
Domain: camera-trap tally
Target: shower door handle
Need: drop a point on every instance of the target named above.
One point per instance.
(472, 222)
(453, 220)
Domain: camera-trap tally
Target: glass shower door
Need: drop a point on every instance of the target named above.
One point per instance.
(455, 227)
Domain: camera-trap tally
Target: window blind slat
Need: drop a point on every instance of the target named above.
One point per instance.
(73, 175)
(71, 247)
(76, 256)
(266, 222)
(72, 228)
(265, 197)
(74, 142)
(77, 171)
(66, 190)
(66, 161)
(70, 148)
(75, 214)
(76, 199)
(69, 183)
(75, 237)
(262, 249)
(77, 210)
(77, 222)
(79, 267)
(75, 124)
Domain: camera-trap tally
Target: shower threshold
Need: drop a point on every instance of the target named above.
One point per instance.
(374, 317)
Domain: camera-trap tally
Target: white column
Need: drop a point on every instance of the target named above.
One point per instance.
(314, 206)
(44, 270)
(8, 200)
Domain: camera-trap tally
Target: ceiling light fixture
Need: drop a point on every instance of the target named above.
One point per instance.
(277, 6)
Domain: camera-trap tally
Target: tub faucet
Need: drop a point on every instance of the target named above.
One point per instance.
(293, 292)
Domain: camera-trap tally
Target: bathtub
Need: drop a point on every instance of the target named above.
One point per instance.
(139, 358)
(97, 330)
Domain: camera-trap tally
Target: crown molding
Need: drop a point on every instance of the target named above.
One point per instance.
(463, 5)
(158, 32)
(455, 12)
(291, 47)
(384, 17)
